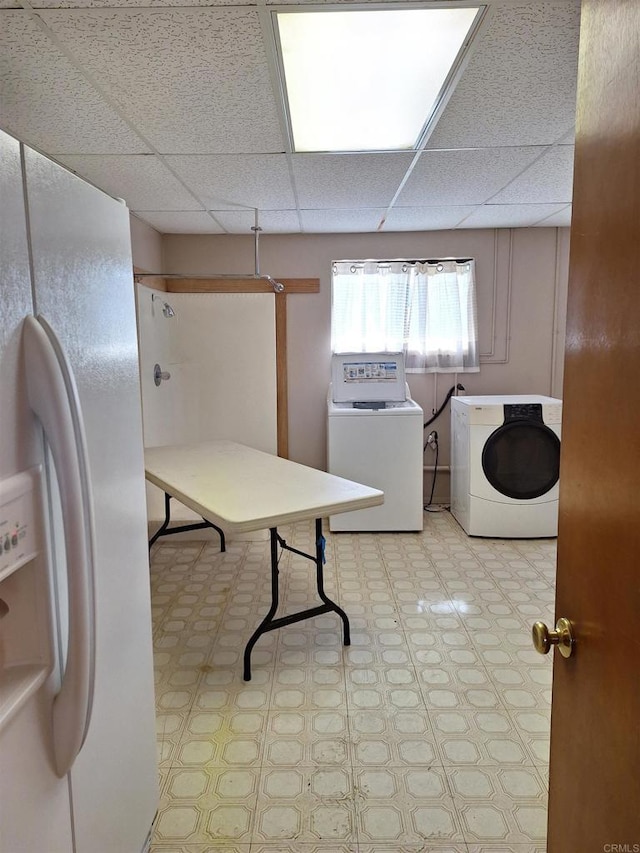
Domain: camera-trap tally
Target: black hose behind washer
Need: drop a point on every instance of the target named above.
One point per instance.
(437, 414)
(450, 394)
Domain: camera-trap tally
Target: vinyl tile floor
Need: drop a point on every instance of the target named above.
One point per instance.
(430, 732)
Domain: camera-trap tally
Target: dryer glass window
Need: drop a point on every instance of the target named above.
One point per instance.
(522, 459)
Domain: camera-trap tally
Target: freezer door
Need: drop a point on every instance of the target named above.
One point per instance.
(84, 289)
(34, 802)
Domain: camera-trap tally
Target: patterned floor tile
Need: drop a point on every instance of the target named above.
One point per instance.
(299, 738)
(507, 848)
(421, 847)
(429, 816)
(159, 847)
(308, 819)
(481, 737)
(505, 804)
(298, 847)
(429, 732)
(402, 739)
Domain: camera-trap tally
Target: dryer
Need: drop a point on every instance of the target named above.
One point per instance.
(505, 465)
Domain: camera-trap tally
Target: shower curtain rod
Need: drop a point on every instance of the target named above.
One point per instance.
(277, 286)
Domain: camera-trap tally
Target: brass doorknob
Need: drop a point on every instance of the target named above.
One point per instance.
(562, 637)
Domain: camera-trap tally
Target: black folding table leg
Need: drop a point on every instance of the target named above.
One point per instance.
(265, 625)
(269, 623)
(165, 523)
(165, 530)
(320, 558)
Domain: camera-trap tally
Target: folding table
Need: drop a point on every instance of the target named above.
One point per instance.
(237, 489)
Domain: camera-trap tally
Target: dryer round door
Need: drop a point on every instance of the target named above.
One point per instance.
(521, 459)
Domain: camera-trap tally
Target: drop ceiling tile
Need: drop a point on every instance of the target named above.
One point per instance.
(341, 221)
(425, 218)
(193, 80)
(141, 180)
(305, 2)
(505, 115)
(48, 103)
(445, 178)
(348, 180)
(180, 221)
(100, 4)
(510, 215)
(519, 86)
(247, 180)
(549, 179)
(561, 219)
(271, 221)
(191, 76)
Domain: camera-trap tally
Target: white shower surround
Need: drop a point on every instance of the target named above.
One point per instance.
(220, 350)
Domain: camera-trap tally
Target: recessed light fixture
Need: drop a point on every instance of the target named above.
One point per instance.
(368, 80)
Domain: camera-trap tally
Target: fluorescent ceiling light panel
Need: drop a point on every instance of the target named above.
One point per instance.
(367, 80)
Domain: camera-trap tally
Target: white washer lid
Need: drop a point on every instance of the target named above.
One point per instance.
(348, 410)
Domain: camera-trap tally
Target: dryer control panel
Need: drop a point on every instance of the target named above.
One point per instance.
(492, 410)
(523, 412)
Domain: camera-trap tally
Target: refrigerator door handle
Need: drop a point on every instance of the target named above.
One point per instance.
(53, 397)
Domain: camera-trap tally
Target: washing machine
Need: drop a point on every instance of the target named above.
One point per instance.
(505, 465)
(374, 436)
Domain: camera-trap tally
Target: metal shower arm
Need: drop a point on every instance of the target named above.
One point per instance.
(278, 286)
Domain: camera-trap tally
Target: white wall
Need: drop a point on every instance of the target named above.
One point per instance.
(227, 366)
(521, 281)
(222, 382)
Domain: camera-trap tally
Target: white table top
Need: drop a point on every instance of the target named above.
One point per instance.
(242, 489)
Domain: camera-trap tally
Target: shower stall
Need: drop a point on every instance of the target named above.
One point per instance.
(208, 371)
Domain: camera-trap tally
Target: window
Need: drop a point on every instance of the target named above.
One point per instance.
(425, 308)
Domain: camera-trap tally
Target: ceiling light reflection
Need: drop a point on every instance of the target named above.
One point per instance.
(448, 605)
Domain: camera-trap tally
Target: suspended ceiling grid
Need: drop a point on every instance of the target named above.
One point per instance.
(174, 107)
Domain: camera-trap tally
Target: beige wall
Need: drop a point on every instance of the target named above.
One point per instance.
(147, 246)
(521, 281)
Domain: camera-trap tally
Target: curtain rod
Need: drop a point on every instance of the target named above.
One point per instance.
(404, 261)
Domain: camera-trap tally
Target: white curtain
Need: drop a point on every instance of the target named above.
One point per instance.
(426, 309)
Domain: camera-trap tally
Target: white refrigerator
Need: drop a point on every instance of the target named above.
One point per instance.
(77, 730)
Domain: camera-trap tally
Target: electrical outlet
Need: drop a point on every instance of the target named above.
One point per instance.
(432, 439)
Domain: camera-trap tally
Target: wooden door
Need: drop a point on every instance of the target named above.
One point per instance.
(594, 801)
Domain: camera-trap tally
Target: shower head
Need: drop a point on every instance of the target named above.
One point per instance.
(167, 310)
